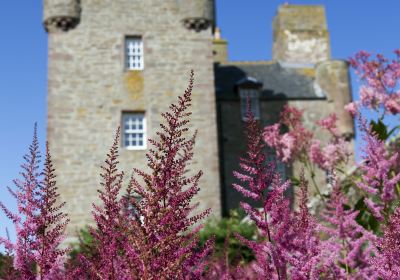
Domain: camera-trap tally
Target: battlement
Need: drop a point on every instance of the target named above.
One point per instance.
(61, 15)
(300, 17)
(197, 15)
(301, 34)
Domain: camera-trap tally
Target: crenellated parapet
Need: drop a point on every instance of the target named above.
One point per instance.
(61, 15)
(197, 15)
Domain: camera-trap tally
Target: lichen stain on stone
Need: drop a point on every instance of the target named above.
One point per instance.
(169, 93)
(309, 72)
(108, 88)
(134, 84)
(81, 112)
(116, 101)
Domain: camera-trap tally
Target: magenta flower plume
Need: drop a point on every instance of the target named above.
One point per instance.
(381, 81)
(51, 224)
(387, 260)
(260, 182)
(26, 219)
(291, 145)
(305, 256)
(39, 223)
(349, 246)
(110, 231)
(162, 234)
(336, 151)
(378, 177)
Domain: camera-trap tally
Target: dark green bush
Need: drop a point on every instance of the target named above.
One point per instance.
(224, 231)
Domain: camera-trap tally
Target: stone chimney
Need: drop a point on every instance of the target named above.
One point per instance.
(220, 47)
(300, 35)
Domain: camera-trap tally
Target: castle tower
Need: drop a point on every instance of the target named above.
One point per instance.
(121, 63)
(301, 41)
(300, 35)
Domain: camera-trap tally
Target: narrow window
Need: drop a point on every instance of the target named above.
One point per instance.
(134, 131)
(134, 53)
(249, 92)
(279, 165)
(249, 100)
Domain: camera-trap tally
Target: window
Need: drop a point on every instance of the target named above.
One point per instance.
(249, 99)
(249, 92)
(134, 53)
(134, 131)
(279, 165)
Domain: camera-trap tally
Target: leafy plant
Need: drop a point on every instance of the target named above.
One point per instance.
(39, 222)
(224, 231)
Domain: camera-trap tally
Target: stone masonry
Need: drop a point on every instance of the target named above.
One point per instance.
(88, 88)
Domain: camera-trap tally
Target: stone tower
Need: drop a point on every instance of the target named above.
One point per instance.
(302, 41)
(121, 63)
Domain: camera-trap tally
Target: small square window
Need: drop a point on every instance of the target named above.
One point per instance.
(134, 53)
(134, 134)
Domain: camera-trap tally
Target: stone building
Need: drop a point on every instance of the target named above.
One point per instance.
(122, 62)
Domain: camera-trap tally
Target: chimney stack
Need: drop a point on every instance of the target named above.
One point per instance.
(300, 35)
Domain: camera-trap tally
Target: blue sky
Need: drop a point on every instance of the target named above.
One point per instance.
(247, 25)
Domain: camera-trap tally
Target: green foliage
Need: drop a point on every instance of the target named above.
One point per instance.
(84, 246)
(224, 231)
(380, 129)
(365, 218)
(2, 264)
(6, 267)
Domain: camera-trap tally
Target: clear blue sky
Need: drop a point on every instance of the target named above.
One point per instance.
(354, 25)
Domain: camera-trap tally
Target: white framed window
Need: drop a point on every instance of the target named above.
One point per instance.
(134, 131)
(251, 96)
(134, 53)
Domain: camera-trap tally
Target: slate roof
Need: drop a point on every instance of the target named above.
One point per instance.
(278, 82)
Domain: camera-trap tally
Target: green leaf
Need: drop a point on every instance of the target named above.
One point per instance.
(373, 224)
(295, 181)
(365, 218)
(393, 130)
(380, 129)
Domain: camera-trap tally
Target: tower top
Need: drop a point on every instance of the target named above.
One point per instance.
(300, 17)
(61, 15)
(198, 15)
(300, 34)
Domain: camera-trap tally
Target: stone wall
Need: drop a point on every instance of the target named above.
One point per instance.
(88, 89)
(233, 143)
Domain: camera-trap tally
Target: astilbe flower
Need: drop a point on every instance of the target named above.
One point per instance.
(219, 267)
(162, 230)
(305, 257)
(387, 259)
(380, 77)
(39, 222)
(292, 144)
(260, 182)
(51, 224)
(109, 233)
(348, 247)
(25, 221)
(336, 151)
(378, 178)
